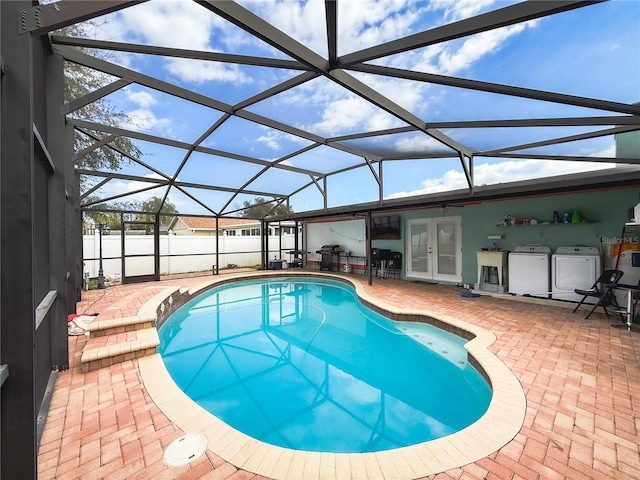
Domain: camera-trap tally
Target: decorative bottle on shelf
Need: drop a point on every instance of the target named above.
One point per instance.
(575, 218)
(565, 217)
(556, 217)
(636, 213)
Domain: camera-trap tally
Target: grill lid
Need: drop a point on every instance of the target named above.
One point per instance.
(329, 248)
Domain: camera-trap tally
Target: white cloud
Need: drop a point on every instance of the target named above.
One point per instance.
(120, 187)
(270, 139)
(200, 71)
(509, 171)
(361, 23)
(302, 21)
(474, 48)
(365, 23)
(460, 9)
(180, 24)
(609, 152)
(348, 114)
(172, 23)
(339, 110)
(144, 119)
(419, 142)
(142, 99)
(396, 90)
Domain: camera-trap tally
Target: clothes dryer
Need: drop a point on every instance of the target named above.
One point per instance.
(530, 271)
(571, 268)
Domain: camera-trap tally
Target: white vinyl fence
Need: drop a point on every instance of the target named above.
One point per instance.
(178, 253)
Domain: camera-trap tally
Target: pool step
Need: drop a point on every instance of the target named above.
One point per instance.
(112, 326)
(105, 350)
(116, 340)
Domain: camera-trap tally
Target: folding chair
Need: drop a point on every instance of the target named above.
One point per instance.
(603, 290)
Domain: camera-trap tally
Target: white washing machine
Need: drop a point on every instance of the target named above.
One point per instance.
(571, 268)
(530, 271)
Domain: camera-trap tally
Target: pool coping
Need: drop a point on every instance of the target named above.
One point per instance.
(498, 426)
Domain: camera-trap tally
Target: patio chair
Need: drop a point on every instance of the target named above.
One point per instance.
(603, 290)
(394, 265)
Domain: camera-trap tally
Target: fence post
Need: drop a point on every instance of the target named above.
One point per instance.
(169, 272)
(95, 255)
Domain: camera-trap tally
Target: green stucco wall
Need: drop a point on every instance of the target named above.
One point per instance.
(628, 145)
(604, 212)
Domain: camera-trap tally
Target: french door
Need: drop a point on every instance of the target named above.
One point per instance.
(433, 248)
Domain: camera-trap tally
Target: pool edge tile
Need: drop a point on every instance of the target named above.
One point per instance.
(270, 460)
(280, 470)
(358, 467)
(327, 466)
(311, 470)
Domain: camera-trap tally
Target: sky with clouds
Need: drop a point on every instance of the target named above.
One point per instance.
(591, 52)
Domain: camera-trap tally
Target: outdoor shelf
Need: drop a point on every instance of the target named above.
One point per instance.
(545, 224)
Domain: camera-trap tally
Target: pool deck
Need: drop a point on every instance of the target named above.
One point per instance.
(581, 379)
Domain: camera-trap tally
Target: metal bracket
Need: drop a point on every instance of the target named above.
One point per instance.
(51, 166)
(468, 170)
(4, 373)
(45, 18)
(29, 20)
(45, 305)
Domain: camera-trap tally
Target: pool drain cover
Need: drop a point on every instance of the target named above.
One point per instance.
(185, 449)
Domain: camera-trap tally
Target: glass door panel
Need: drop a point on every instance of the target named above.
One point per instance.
(446, 248)
(419, 248)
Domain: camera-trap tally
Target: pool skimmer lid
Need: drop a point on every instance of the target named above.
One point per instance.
(185, 449)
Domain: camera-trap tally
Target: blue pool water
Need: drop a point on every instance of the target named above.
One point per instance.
(302, 364)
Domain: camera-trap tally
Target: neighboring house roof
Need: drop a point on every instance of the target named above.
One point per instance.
(209, 223)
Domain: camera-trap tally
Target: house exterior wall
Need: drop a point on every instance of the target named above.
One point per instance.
(604, 213)
(197, 233)
(606, 209)
(180, 228)
(628, 145)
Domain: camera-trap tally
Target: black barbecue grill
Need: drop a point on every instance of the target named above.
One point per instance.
(327, 252)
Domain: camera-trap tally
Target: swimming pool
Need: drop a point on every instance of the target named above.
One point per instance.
(302, 364)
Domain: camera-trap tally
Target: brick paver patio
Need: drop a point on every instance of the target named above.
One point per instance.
(581, 379)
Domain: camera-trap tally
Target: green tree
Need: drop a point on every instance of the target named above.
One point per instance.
(154, 204)
(79, 81)
(261, 208)
(113, 220)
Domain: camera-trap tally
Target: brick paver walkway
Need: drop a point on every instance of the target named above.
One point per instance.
(581, 379)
